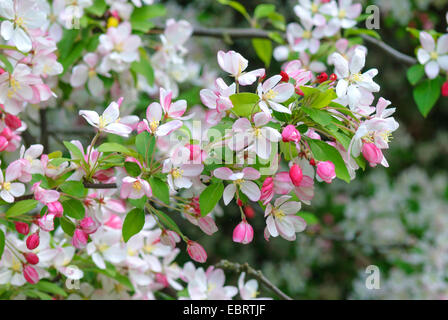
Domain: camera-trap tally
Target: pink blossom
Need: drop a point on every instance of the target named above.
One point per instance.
(30, 274)
(79, 239)
(55, 208)
(240, 179)
(272, 93)
(267, 190)
(296, 175)
(135, 188)
(243, 233)
(46, 222)
(372, 154)
(290, 133)
(169, 238)
(33, 240)
(44, 196)
(326, 171)
(88, 225)
(234, 63)
(196, 251)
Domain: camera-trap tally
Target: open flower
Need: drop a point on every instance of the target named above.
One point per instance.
(135, 188)
(9, 190)
(241, 179)
(282, 219)
(272, 94)
(257, 138)
(86, 72)
(109, 121)
(234, 63)
(433, 57)
(21, 16)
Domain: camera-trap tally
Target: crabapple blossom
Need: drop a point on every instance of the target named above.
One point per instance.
(8, 189)
(234, 63)
(248, 290)
(434, 57)
(196, 251)
(281, 218)
(243, 233)
(326, 171)
(272, 93)
(108, 122)
(241, 179)
(135, 188)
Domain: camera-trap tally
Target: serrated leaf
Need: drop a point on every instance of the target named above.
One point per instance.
(21, 207)
(113, 147)
(67, 226)
(132, 168)
(74, 188)
(415, 73)
(73, 149)
(322, 151)
(145, 142)
(133, 223)
(244, 103)
(160, 189)
(263, 49)
(74, 209)
(209, 197)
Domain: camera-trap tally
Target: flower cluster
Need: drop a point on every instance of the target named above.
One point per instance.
(113, 205)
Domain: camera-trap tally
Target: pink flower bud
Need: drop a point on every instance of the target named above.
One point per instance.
(79, 239)
(249, 211)
(7, 133)
(31, 258)
(296, 175)
(32, 242)
(162, 279)
(22, 227)
(267, 190)
(169, 238)
(243, 233)
(196, 251)
(114, 222)
(55, 208)
(30, 274)
(290, 133)
(88, 225)
(3, 143)
(372, 154)
(326, 171)
(13, 121)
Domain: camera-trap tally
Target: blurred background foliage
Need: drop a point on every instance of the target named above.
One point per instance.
(396, 218)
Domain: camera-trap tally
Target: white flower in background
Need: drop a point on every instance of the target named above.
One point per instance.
(21, 16)
(309, 9)
(353, 88)
(109, 121)
(343, 16)
(119, 47)
(433, 57)
(304, 37)
(83, 73)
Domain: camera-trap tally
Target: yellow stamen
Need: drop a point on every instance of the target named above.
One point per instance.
(112, 22)
(137, 185)
(271, 94)
(279, 214)
(342, 14)
(153, 125)
(306, 34)
(177, 173)
(434, 55)
(7, 186)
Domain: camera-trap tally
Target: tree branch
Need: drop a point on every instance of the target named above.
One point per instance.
(238, 33)
(238, 268)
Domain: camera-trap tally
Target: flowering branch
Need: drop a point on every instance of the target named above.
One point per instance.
(238, 33)
(239, 268)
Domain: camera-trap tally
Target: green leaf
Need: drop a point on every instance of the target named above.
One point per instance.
(2, 243)
(144, 67)
(309, 217)
(210, 197)
(74, 209)
(263, 48)
(67, 226)
(415, 73)
(319, 116)
(73, 149)
(359, 31)
(98, 8)
(322, 151)
(113, 147)
(263, 10)
(315, 98)
(245, 103)
(49, 287)
(73, 56)
(21, 207)
(145, 142)
(167, 221)
(74, 188)
(277, 20)
(426, 95)
(132, 168)
(140, 16)
(133, 223)
(66, 43)
(237, 6)
(160, 189)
